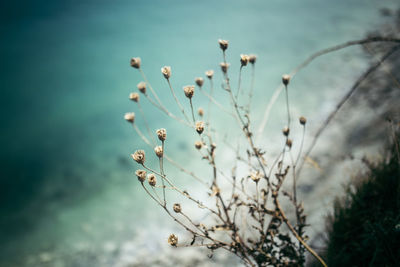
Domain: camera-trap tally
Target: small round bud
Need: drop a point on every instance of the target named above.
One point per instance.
(252, 59)
(173, 240)
(141, 175)
(198, 144)
(151, 178)
(166, 71)
(223, 44)
(189, 91)
(224, 67)
(210, 74)
(139, 156)
(255, 176)
(286, 131)
(142, 87)
(244, 59)
(159, 151)
(199, 127)
(285, 79)
(134, 97)
(162, 134)
(130, 117)
(199, 81)
(177, 207)
(200, 111)
(135, 62)
(302, 120)
(289, 143)
(213, 145)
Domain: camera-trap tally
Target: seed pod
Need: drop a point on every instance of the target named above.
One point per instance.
(166, 71)
(210, 74)
(177, 207)
(135, 62)
(159, 151)
(199, 81)
(244, 59)
(162, 134)
(199, 127)
(134, 97)
(255, 176)
(302, 120)
(130, 117)
(142, 87)
(200, 111)
(173, 240)
(285, 79)
(139, 156)
(286, 131)
(289, 143)
(198, 144)
(141, 175)
(223, 44)
(189, 91)
(224, 67)
(152, 179)
(252, 59)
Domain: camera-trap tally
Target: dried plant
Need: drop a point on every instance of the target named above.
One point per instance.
(246, 216)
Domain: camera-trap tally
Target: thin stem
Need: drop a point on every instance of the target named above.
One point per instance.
(191, 107)
(287, 105)
(161, 159)
(177, 101)
(240, 80)
(146, 124)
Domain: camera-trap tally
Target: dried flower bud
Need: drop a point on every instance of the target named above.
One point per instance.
(289, 143)
(199, 81)
(215, 191)
(200, 111)
(223, 44)
(198, 144)
(162, 134)
(244, 59)
(285, 79)
(159, 151)
(286, 131)
(224, 67)
(173, 240)
(189, 91)
(177, 207)
(252, 59)
(255, 176)
(213, 145)
(210, 74)
(166, 71)
(134, 97)
(130, 117)
(135, 62)
(139, 156)
(199, 127)
(142, 87)
(152, 179)
(302, 120)
(141, 175)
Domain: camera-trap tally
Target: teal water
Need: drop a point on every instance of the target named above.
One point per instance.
(67, 180)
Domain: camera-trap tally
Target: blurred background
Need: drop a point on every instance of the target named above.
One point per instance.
(68, 195)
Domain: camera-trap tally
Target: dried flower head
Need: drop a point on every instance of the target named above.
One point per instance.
(285, 79)
(134, 97)
(286, 131)
(159, 151)
(139, 156)
(130, 117)
(166, 71)
(223, 44)
(252, 59)
(151, 178)
(198, 144)
(173, 240)
(215, 191)
(210, 74)
(189, 91)
(255, 176)
(224, 66)
(199, 127)
(302, 120)
(141, 175)
(177, 207)
(200, 111)
(199, 81)
(162, 134)
(244, 59)
(142, 87)
(289, 143)
(135, 62)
